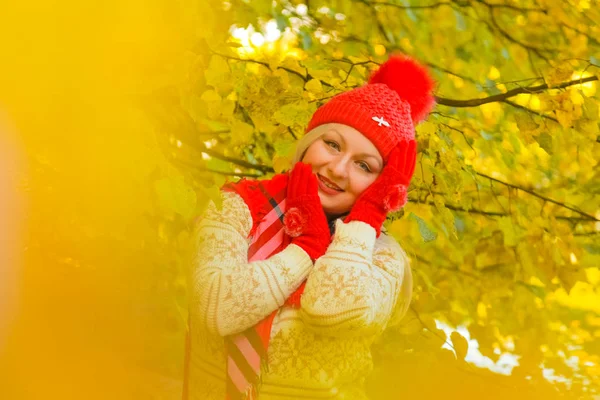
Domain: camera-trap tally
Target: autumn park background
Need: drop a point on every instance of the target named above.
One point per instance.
(119, 120)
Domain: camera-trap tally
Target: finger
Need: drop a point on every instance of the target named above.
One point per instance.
(401, 161)
(300, 180)
(297, 172)
(404, 155)
(304, 175)
(394, 163)
(393, 157)
(312, 184)
(299, 168)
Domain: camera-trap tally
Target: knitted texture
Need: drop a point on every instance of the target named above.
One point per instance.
(385, 110)
(253, 196)
(358, 108)
(389, 191)
(304, 219)
(321, 350)
(410, 81)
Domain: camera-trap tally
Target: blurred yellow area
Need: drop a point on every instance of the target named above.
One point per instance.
(92, 291)
(72, 325)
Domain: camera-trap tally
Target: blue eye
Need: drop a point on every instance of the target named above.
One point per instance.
(332, 144)
(363, 165)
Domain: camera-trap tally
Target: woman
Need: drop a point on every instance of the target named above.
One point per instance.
(293, 281)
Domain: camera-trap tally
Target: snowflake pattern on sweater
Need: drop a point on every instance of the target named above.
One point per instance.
(321, 350)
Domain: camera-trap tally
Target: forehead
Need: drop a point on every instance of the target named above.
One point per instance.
(354, 140)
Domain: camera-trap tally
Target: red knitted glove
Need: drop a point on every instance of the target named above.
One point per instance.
(389, 191)
(305, 219)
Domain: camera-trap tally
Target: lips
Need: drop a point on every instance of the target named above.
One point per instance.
(329, 184)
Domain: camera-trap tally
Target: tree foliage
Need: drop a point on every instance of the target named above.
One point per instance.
(502, 222)
(503, 218)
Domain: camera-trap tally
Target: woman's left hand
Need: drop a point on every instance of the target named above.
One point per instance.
(389, 192)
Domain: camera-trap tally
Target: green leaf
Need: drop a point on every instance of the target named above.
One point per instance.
(216, 164)
(241, 133)
(592, 248)
(590, 109)
(314, 86)
(487, 136)
(294, 113)
(545, 142)
(538, 291)
(426, 232)
(285, 148)
(213, 194)
(217, 72)
(174, 195)
(510, 230)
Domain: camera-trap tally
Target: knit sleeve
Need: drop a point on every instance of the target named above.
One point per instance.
(230, 293)
(355, 288)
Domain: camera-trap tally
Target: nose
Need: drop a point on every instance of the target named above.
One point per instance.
(338, 167)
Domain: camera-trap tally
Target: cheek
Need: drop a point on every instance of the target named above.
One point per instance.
(362, 183)
(315, 155)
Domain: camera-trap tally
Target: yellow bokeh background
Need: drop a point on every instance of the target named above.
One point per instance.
(72, 318)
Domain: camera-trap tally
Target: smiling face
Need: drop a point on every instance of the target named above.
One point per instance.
(345, 163)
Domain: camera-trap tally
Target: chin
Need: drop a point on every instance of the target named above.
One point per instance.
(331, 210)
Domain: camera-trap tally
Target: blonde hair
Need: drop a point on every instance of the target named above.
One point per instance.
(308, 139)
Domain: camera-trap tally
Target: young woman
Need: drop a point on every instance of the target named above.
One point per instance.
(293, 280)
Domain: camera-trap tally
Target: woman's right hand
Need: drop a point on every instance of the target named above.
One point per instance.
(305, 220)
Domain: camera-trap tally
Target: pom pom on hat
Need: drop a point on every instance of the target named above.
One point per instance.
(411, 81)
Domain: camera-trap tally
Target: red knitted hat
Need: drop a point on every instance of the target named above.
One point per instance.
(386, 109)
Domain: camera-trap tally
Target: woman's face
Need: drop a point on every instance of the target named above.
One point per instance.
(346, 163)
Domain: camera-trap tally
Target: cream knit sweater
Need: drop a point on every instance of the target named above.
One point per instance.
(319, 351)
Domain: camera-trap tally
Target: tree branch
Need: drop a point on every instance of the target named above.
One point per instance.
(453, 269)
(590, 38)
(531, 192)
(447, 71)
(514, 8)
(461, 132)
(240, 174)
(198, 168)
(380, 26)
(456, 208)
(495, 26)
(199, 146)
(511, 93)
(587, 233)
(520, 107)
(292, 133)
(398, 6)
(347, 61)
(265, 64)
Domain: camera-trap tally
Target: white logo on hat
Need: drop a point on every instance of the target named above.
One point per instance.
(381, 121)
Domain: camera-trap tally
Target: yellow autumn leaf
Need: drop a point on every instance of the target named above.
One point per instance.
(460, 345)
(314, 86)
(526, 122)
(559, 74)
(241, 132)
(565, 118)
(426, 129)
(281, 164)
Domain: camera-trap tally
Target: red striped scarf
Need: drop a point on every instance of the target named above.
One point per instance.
(247, 351)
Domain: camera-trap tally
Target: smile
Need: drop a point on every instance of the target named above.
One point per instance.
(329, 184)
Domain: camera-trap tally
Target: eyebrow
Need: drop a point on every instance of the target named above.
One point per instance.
(364, 155)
